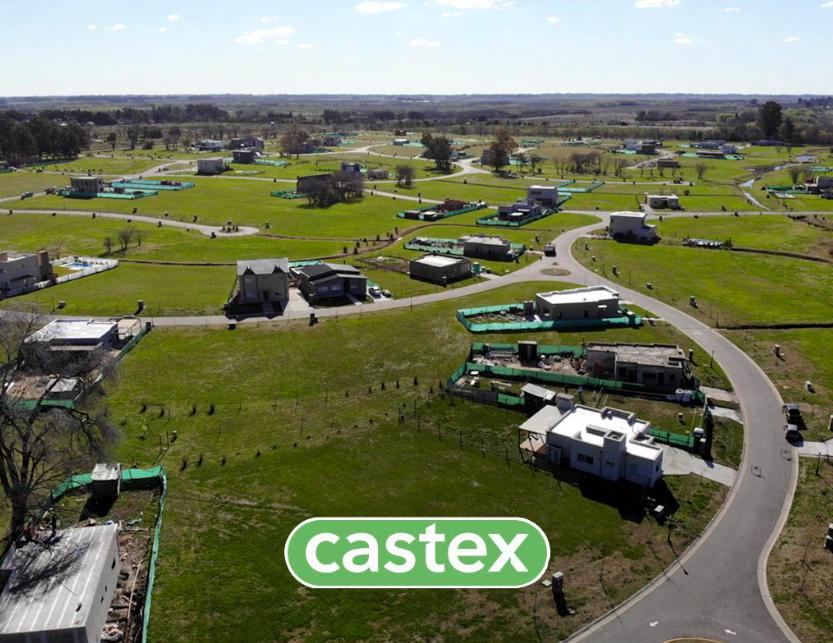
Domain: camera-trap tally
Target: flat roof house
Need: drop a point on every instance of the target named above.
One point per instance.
(59, 591)
(546, 195)
(595, 302)
(210, 145)
(330, 281)
(241, 142)
(211, 166)
(608, 442)
(76, 335)
(307, 184)
(244, 156)
(378, 174)
(262, 281)
(631, 226)
(21, 271)
(487, 247)
(86, 185)
(440, 269)
(662, 201)
(661, 367)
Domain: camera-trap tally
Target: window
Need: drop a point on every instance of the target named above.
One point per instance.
(584, 459)
(608, 463)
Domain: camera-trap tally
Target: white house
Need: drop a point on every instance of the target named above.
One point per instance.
(19, 271)
(211, 166)
(662, 201)
(440, 269)
(595, 302)
(608, 443)
(61, 590)
(631, 226)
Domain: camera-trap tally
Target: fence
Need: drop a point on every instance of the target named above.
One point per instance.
(543, 349)
(672, 439)
(96, 266)
(551, 378)
(494, 220)
(132, 343)
(437, 214)
(541, 325)
(130, 478)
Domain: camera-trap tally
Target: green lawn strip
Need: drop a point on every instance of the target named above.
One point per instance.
(330, 444)
(798, 568)
(731, 288)
(98, 165)
(218, 200)
(70, 234)
(166, 290)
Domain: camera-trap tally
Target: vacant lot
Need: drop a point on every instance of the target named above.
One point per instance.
(799, 566)
(318, 432)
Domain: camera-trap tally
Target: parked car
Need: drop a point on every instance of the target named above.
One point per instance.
(26, 195)
(375, 292)
(549, 250)
(386, 293)
(792, 433)
(792, 414)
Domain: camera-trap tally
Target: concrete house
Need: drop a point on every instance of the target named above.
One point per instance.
(211, 166)
(595, 302)
(86, 185)
(487, 247)
(608, 443)
(210, 145)
(663, 201)
(378, 174)
(440, 269)
(77, 335)
(330, 281)
(308, 184)
(660, 367)
(251, 142)
(546, 195)
(520, 211)
(61, 591)
(262, 281)
(20, 271)
(631, 226)
(244, 156)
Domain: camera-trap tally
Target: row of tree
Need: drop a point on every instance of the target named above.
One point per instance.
(38, 138)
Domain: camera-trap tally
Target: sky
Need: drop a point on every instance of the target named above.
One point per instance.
(415, 46)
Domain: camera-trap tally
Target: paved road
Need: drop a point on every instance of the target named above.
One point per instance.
(718, 589)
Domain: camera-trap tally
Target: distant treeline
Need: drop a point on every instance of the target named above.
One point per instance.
(38, 137)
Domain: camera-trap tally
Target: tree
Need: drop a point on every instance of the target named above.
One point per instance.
(769, 118)
(108, 245)
(500, 151)
(795, 172)
(125, 236)
(788, 132)
(535, 161)
(133, 134)
(701, 169)
(294, 142)
(112, 138)
(404, 175)
(438, 149)
(41, 445)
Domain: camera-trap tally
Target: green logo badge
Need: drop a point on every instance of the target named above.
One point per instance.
(417, 552)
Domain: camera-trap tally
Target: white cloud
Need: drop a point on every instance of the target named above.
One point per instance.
(378, 7)
(306, 45)
(162, 29)
(827, 5)
(451, 14)
(730, 10)
(277, 35)
(476, 4)
(425, 43)
(791, 39)
(91, 27)
(116, 27)
(173, 17)
(655, 4)
(553, 20)
(682, 39)
(266, 20)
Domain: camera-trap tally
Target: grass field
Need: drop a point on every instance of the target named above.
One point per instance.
(99, 165)
(731, 288)
(299, 441)
(799, 566)
(15, 183)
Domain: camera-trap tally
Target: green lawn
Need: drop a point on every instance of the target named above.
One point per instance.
(16, 183)
(299, 441)
(99, 165)
(167, 290)
(731, 288)
(85, 236)
(218, 200)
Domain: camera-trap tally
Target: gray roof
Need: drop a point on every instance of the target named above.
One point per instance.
(54, 585)
(538, 391)
(319, 271)
(262, 266)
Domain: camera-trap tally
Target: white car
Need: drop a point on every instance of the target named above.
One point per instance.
(375, 292)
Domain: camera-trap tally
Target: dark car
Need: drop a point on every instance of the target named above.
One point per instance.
(792, 433)
(792, 414)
